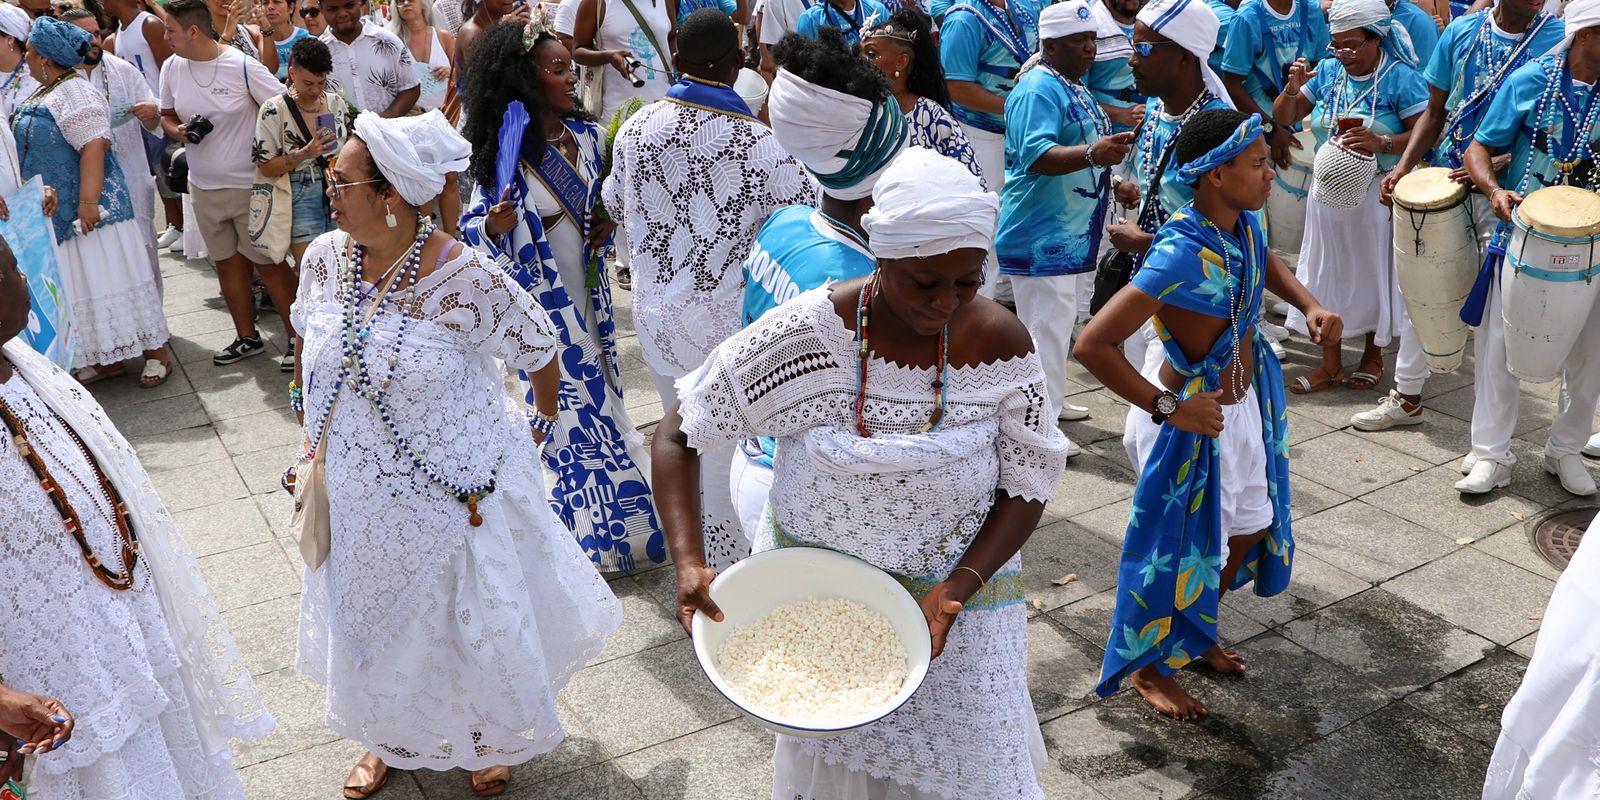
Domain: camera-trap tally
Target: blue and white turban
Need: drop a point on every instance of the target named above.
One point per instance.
(844, 140)
(1192, 25)
(1374, 16)
(61, 42)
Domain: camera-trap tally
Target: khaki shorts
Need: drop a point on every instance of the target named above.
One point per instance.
(224, 218)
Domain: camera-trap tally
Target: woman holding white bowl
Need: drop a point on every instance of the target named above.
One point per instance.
(913, 433)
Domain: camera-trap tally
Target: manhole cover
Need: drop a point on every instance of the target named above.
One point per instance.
(1556, 537)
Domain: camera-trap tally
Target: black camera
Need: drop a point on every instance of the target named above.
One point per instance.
(199, 127)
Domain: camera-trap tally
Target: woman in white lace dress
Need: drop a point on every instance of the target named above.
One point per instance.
(935, 468)
(126, 639)
(452, 605)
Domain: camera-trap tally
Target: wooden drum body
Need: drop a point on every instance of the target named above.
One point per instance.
(1436, 260)
(1286, 206)
(1547, 281)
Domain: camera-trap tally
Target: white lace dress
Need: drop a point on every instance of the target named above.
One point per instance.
(107, 655)
(442, 645)
(911, 504)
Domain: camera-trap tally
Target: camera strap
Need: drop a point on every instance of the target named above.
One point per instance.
(662, 53)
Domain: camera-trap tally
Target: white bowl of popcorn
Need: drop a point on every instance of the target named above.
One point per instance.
(813, 643)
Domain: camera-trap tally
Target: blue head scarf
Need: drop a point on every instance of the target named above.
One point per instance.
(1189, 172)
(61, 42)
(1373, 15)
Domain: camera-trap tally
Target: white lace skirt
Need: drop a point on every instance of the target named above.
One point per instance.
(470, 680)
(1347, 262)
(114, 288)
(969, 732)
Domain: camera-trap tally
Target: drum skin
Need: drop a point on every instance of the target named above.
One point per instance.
(1436, 260)
(1548, 283)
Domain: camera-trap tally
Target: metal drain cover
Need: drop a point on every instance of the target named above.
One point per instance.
(1556, 536)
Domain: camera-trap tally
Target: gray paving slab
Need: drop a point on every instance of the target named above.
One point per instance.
(1388, 641)
(1349, 464)
(1063, 668)
(1429, 499)
(1514, 545)
(730, 761)
(1502, 605)
(1471, 700)
(1398, 752)
(647, 698)
(1063, 549)
(223, 526)
(1368, 542)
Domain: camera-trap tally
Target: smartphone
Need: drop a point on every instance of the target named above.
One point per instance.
(325, 123)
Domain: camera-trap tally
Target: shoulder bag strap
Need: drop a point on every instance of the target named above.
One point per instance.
(663, 53)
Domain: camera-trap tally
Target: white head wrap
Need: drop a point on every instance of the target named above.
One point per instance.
(14, 22)
(1065, 19)
(926, 204)
(1375, 16)
(816, 124)
(1110, 40)
(414, 153)
(1193, 26)
(1578, 15)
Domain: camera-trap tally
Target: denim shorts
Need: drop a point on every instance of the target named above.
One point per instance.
(310, 207)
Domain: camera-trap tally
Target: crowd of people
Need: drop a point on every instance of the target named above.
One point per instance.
(862, 241)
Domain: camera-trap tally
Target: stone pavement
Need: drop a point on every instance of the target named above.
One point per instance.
(1381, 673)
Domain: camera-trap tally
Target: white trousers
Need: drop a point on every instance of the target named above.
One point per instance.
(1049, 308)
(726, 543)
(1411, 362)
(990, 148)
(751, 485)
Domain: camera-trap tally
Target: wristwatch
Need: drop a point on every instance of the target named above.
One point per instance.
(1268, 126)
(1166, 405)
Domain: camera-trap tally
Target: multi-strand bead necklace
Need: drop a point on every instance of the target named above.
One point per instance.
(864, 354)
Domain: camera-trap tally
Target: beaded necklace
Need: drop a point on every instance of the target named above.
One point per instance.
(864, 349)
(127, 537)
(1566, 159)
(1235, 308)
(843, 229)
(1150, 160)
(37, 99)
(1481, 53)
(1345, 101)
(1085, 102)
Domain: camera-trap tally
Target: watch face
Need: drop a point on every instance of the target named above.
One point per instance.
(1167, 405)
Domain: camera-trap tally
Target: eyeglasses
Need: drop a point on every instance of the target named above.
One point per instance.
(1349, 52)
(311, 12)
(1147, 49)
(338, 186)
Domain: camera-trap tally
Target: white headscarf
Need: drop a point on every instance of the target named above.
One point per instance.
(1110, 40)
(1193, 26)
(14, 22)
(1375, 16)
(414, 153)
(1578, 15)
(815, 124)
(926, 204)
(1066, 18)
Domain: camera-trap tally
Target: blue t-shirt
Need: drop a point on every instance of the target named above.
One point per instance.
(1467, 54)
(283, 51)
(1538, 137)
(824, 15)
(795, 251)
(1225, 14)
(1159, 129)
(1419, 25)
(1111, 81)
(1262, 45)
(1047, 222)
(1400, 94)
(986, 46)
(687, 7)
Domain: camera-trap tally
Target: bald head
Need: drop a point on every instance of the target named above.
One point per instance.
(708, 46)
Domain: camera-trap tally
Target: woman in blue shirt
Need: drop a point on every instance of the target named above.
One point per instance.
(1372, 91)
(848, 16)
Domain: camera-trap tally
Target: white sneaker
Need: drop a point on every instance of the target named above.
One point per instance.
(1468, 461)
(1391, 412)
(1275, 332)
(1574, 478)
(168, 236)
(1280, 308)
(1486, 476)
(177, 244)
(1592, 449)
(1073, 448)
(1073, 413)
(1277, 349)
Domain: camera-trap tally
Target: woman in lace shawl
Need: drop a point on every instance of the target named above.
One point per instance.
(541, 229)
(452, 605)
(124, 639)
(902, 47)
(108, 270)
(935, 466)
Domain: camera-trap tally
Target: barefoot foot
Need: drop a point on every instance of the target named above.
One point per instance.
(1225, 660)
(1165, 695)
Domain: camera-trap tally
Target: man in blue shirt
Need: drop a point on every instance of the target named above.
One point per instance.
(1059, 152)
(1473, 58)
(982, 46)
(1543, 115)
(1419, 25)
(1265, 37)
(1111, 79)
(849, 17)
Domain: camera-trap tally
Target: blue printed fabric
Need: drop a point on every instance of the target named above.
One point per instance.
(824, 15)
(1474, 51)
(931, 126)
(687, 7)
(45, 151)
(600, 492)
(987, 46)
(1262, 45)
(1399, 95)
(1419, 25)
(1170, 575)
(1050, 225)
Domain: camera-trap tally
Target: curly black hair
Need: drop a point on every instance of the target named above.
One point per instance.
(828, 61)
(927, 74)
(1204, 133)
(312, 55)
(509, 72)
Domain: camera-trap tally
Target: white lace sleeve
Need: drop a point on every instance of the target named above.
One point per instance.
(80, 111)
(315, 270)
(1033, 451)
(779, 376)
(496, 315)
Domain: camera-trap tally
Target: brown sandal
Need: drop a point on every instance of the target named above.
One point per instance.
(366, 778)
(491, 781)
(1305, 385)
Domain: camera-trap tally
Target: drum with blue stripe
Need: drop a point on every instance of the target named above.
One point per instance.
(1548, 280)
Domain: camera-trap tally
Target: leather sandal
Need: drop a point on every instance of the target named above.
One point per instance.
(1315, 381)
(491, 781)
(366, 778)
(1367, 374)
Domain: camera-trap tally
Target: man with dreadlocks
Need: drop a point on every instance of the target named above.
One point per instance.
(1211, 510)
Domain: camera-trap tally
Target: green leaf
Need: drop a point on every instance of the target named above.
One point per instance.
(1139, 600)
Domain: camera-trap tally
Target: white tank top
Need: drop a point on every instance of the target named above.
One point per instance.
(133, 48)
(432, 89)
(620, 31)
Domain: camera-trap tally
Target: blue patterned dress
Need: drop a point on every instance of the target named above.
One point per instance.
(936, 129)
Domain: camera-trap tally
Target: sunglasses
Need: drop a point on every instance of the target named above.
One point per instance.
(311, 12)
(1147, 49)
(338, 186)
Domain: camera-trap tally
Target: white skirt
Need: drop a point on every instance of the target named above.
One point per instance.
(114, 288)
(1347, 262)
(471, 679)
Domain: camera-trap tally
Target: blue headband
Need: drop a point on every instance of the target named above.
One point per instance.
(880, 140)
(1247, 132)
(61, 42)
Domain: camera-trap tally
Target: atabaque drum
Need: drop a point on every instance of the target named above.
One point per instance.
(1436, 260)
(1286, 206)
(1547, 281)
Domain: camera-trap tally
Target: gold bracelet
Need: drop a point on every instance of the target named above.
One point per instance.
(981, 582)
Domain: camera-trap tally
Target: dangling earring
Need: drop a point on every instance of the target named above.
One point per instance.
(390, 220)
(897, 73)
